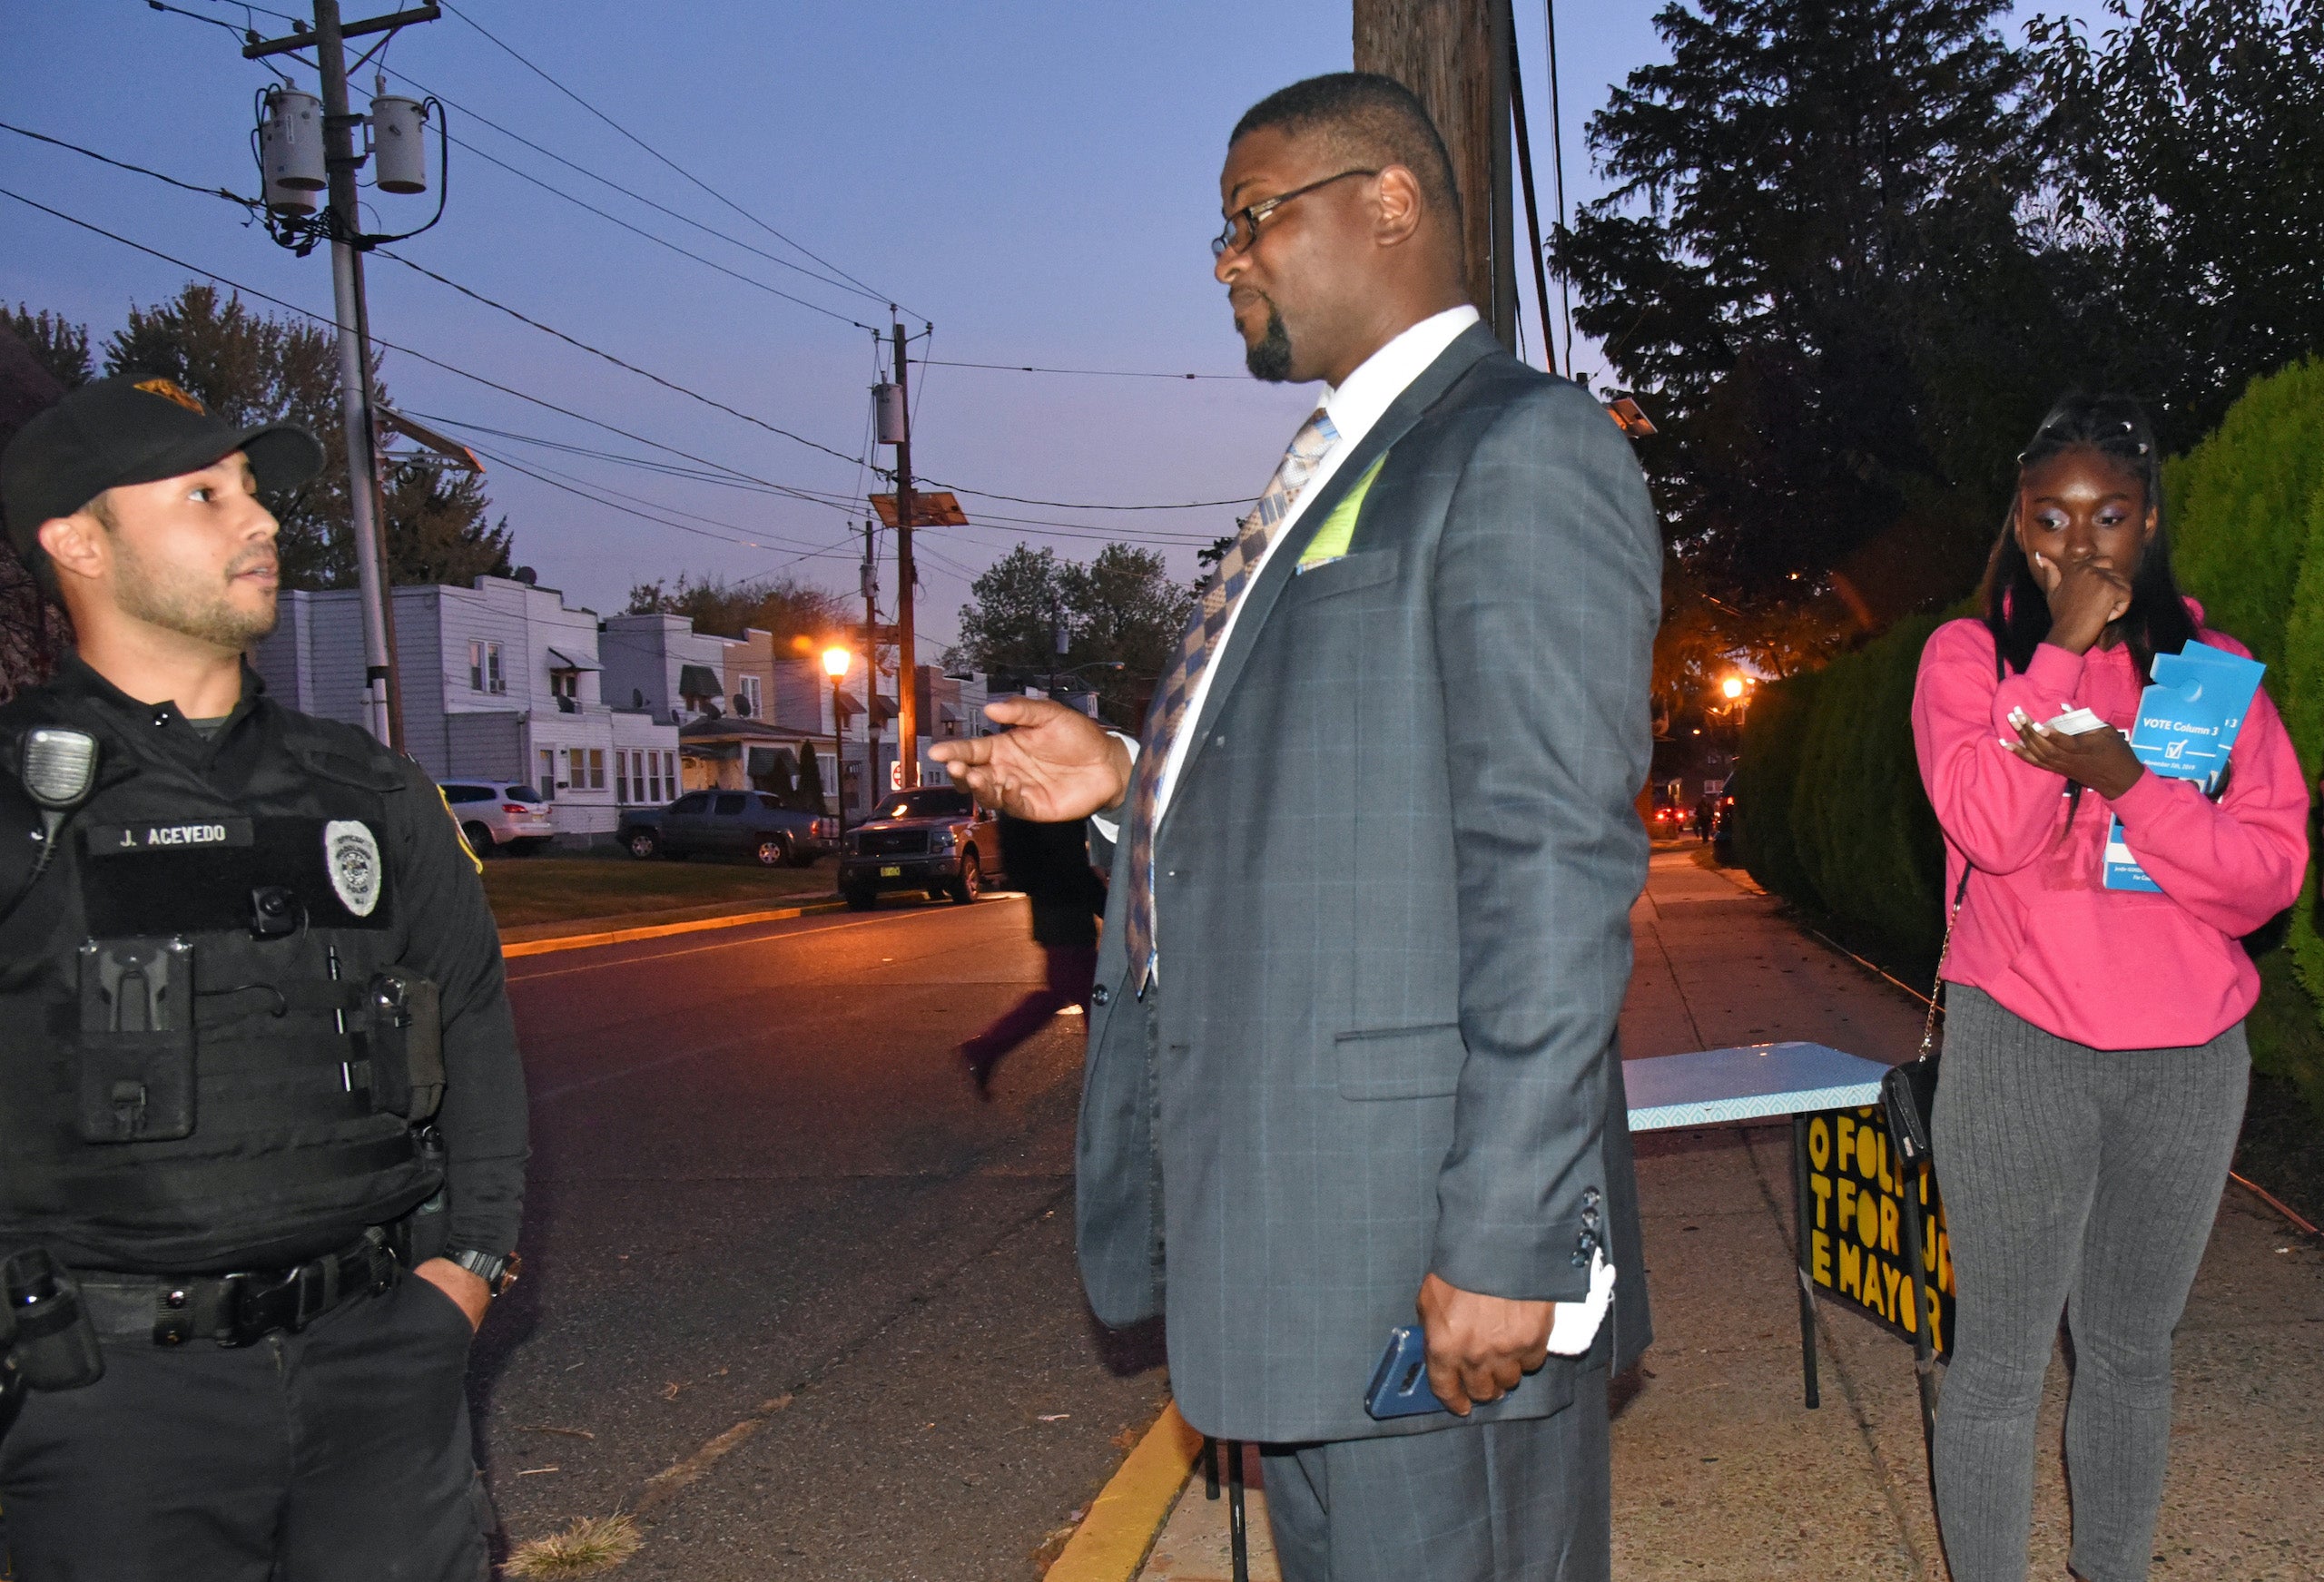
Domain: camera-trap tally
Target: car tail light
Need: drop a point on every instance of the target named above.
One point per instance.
(514, 808)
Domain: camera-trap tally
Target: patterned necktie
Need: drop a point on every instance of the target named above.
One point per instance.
(1308, 447)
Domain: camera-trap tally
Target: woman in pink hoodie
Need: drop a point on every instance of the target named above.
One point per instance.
(2094, 1059)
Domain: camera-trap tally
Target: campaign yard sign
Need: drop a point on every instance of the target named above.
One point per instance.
(1857, 1240)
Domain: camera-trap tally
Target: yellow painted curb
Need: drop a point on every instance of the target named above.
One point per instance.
(1112, 1543)
(658, 930)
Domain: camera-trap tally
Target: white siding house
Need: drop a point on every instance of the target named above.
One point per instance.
(500, 681)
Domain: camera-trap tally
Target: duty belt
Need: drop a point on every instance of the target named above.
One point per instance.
(241, 1308)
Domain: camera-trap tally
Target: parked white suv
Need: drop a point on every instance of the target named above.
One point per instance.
(497, 816)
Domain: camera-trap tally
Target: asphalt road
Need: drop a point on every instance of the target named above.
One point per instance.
(773, 1240)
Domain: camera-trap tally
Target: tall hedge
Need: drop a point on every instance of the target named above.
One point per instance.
(1864, 828)
(2247, 514)
(1767, 773)
(1833, 816)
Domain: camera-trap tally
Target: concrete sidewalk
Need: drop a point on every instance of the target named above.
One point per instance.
(1720, 1471)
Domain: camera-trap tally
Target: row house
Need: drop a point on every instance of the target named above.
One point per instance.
(503, 681)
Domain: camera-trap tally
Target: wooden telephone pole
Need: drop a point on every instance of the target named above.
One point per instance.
(1454, 56)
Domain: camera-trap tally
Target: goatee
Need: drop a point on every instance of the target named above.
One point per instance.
(1270, 359)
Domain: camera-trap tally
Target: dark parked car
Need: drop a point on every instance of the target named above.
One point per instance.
(729, 823)
(935, 839)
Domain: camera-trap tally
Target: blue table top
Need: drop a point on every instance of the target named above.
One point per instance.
(1708, 1086)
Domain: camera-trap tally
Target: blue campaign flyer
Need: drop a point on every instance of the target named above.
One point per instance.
(2186, 725)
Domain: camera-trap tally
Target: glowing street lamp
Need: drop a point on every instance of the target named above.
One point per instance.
(835, 663)
(1732, 686)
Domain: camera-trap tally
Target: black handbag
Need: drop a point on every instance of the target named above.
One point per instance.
(1908, 1092)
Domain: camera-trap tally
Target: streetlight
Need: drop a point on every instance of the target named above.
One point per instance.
(835, 663)
(1732, 686)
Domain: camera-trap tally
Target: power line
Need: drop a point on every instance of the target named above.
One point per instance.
(407, 351)
(835, 502)
(249, 203)
(606, 181)
(672, 164)
(1084, 506)
(473, 295)
(570, 340)
(600, 352)
(1106, 373)
(626, 193)
(572, 488)
(660, 240)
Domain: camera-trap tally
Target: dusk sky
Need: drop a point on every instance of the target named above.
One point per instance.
(1037, 179)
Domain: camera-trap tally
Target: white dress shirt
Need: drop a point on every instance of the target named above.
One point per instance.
(1354, 408)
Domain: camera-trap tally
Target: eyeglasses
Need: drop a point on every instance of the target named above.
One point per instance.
(1243, 225)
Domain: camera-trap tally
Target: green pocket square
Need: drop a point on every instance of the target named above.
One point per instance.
(1331, 540)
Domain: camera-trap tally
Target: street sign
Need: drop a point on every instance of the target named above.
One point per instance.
(1866, 1227)
(929, 509)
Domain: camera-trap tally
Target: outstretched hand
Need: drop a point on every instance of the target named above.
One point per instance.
(1054, 765)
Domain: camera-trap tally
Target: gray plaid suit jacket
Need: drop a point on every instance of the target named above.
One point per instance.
(1394, 886)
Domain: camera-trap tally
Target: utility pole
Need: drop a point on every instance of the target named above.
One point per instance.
(1454, 56)
(381, 696)
(870, 660)
(907, 661)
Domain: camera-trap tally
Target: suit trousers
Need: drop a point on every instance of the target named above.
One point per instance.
(1528, 1500)
(339, 1454)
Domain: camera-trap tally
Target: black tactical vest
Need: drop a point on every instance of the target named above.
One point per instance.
(185, 1084)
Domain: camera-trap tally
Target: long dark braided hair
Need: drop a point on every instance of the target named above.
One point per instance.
(2017, 612)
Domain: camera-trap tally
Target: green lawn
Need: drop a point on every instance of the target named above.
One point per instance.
(550, 889)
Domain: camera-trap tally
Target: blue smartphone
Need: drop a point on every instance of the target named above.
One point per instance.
(1400, 1384)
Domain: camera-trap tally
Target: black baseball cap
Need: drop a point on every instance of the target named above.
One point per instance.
(131, 428)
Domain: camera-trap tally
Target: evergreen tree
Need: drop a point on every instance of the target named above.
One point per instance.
(58, 346)
(810, 779)
(1815, 276)
(246, 368)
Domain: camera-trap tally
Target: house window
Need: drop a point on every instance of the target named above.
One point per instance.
(749, 696)
(669, 775)
(484, 668)
(548, 774)
(597, 769)
(622, 757)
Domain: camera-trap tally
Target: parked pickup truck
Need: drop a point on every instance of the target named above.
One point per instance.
(934, 840)
(729, 823)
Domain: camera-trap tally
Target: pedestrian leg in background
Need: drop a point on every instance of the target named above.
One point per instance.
(1068, 970)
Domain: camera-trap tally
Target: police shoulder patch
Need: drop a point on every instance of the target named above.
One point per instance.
(351, 857)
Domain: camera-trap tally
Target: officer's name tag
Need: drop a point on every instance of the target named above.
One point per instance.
(154, 835)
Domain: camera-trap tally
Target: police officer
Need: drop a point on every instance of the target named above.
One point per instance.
(261, 1115)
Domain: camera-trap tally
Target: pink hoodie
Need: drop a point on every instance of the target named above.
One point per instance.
(2114, 970)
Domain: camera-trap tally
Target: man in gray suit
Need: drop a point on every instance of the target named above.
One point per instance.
(1352, 1046)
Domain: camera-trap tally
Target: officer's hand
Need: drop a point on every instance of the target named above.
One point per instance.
(1058, 764)
(1479, 1346)
(469, 1290)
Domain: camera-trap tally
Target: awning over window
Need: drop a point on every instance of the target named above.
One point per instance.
(560, 659)
(698, 681)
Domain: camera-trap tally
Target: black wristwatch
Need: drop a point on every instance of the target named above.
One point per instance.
(498, 1271)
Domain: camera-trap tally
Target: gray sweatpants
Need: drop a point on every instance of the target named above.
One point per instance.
(2082, 1180)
